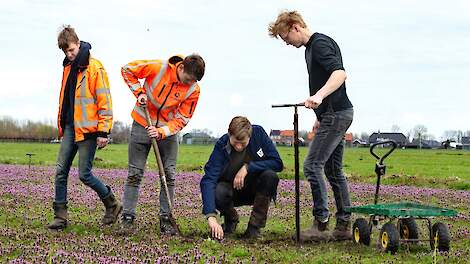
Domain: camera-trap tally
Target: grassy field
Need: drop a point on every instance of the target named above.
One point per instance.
(430, 168)
(25, 207)
(26, 196)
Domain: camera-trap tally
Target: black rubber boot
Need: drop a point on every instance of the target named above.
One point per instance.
(113, 208)
(230, 221)
(258, 217)
(166, 227)
(60, 216)
(252, 232)
(127, 224)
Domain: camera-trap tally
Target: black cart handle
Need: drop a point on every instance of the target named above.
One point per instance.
(381, 159)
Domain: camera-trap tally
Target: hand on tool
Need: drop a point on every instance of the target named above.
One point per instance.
(216, 229)
(314, 101)
(239, 180)
(142, 99)
(101, 142)
(152, 131)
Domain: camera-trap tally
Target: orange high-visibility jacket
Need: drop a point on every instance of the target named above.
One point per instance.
(93, 106)
(170, 103)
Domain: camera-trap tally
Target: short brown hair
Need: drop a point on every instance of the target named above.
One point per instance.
(67, 35)
(240, 128)
(194, 65)
(284, 22)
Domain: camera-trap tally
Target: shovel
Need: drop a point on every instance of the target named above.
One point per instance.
(161, 171)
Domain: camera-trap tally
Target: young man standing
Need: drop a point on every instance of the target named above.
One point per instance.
(241, 171)
(170, 92)
(334, 114)
(85, 119)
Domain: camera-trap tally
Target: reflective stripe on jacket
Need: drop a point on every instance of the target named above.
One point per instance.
(171, 103)
(93, 105)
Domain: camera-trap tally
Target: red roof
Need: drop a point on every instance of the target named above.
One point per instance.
(348, 136)
(287, 133)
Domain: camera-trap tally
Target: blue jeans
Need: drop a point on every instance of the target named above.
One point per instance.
(86, 153)
(325, 156)
(139, 147)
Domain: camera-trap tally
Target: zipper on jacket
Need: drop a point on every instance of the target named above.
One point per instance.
(163, 104)
(191, 108)
(161, 91)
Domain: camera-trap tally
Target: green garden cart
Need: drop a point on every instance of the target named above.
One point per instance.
(406, 213)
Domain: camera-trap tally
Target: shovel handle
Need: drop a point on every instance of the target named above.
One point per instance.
(161, 171)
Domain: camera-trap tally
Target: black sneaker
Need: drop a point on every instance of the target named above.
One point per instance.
(166, 227)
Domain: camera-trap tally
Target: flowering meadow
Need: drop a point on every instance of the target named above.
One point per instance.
(26, 196)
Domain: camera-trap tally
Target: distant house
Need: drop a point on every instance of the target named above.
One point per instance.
(425, 144)
(348, 138)
(360, 143)
(287, 137)
(275, 136)
(465, 142)
(198, 138)
(399, 138)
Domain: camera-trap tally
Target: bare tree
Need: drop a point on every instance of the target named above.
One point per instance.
(26, 130)
(365, 136)
(120, 132)
(420, 133)
(395, 129)
(451, 134)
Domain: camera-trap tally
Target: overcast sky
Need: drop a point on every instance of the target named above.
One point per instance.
(408, 62)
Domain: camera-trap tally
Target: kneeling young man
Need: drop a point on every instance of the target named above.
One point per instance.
(241, 171)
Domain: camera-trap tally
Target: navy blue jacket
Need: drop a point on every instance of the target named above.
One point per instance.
(262, 151)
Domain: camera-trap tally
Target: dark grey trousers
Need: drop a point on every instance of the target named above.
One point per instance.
(325, 157)
(139, 147)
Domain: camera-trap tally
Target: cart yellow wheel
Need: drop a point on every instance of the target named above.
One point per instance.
(385, 239)
(389, 238)
(440, 237)
(361, 232)
(408, 228)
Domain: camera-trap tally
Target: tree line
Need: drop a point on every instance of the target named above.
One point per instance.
(46, 131)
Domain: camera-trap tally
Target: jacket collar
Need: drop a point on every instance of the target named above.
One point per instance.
(173, 72)
(228, 147)
(174, 62)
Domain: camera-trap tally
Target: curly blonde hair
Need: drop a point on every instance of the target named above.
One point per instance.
(284, 22)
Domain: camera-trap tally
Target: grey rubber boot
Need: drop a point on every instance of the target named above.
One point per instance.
(60, 216)
(113, 208)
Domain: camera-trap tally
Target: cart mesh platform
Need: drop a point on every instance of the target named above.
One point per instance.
(403, 209)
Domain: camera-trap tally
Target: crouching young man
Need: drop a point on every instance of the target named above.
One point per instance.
(241, 171)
